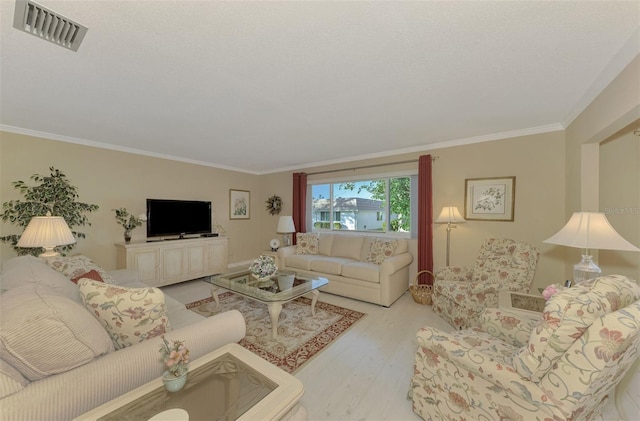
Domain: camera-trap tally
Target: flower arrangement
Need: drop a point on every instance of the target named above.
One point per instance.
(550, 290)
(127, 220)
(175, 356)
(263, 267)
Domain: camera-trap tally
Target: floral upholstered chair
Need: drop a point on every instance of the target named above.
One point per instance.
(562, 367)
(461, 293)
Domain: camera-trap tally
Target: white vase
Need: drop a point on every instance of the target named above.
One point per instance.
(172, 383)
(285, 282)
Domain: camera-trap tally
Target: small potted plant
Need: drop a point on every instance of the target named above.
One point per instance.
(128, 221)
(175, 356)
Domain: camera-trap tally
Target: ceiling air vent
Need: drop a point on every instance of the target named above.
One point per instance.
(36, 20)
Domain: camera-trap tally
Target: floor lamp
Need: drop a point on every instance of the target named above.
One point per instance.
(450, 216)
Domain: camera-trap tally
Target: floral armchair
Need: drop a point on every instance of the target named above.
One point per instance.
(460, 294)
(562, 367)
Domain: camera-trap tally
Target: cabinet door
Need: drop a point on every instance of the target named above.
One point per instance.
(196, 256)
(145, 261)
(172, 264)
(217, 257)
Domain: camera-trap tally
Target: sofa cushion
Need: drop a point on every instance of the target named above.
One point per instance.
(30, 270)
(300, 261)
(92, 274)
(129, 315)
(306, 243)
(349, 246)
(363, 271)
(380, 250)
(11, 381)
(325, 241)
(402, 247)
(329, 265)
(567, 315)
(74, 266)
(44, 332)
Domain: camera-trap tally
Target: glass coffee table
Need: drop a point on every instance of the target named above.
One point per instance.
(230, 383)
(279, 289)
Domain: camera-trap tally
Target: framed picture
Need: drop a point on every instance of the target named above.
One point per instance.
(239, 204)
(489, 199)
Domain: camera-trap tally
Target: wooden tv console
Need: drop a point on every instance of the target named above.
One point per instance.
(161, 263)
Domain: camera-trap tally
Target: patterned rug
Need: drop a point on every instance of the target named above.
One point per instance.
(300, 335)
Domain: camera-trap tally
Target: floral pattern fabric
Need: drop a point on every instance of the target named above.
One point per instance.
(567, 315)
(474, 373)
(74, 266)
(307, 243)
(460, 294)
(129, 315)
(380, 250)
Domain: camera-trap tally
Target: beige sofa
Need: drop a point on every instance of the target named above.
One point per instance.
(348, 262)
(44, 379)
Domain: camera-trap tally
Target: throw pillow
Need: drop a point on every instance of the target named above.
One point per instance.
(307, 243)
(24, 270)
(92, 274)
(129, 315)
(74, 266)
(43, 332)
(380, 250)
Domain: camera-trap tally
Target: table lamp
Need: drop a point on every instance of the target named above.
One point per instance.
(46, 232)
(450, 216)
(286, 227)
(589, 230)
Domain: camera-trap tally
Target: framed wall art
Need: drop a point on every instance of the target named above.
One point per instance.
(239, 204)
(490, 199)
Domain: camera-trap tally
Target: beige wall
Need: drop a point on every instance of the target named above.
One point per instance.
(620, 198)
(536, 161)
(617, 107)
(114, 179)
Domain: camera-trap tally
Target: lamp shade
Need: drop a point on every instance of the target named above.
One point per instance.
(286, 225)
(590, 230)
(47, 232)
(450, 214)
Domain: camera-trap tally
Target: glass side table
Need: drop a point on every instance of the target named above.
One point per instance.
(230, 383)
(526, 305)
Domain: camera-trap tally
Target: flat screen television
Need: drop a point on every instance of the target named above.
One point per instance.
(178, 217)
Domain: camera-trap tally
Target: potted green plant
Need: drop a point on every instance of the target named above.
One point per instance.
(52, 193)
(128, 221)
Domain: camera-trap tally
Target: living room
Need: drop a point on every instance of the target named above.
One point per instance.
(589, 164)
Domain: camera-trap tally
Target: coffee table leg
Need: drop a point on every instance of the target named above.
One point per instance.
(214, 295)
(274, 312)
(314, 299)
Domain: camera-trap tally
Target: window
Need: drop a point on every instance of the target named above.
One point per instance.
(376, 205)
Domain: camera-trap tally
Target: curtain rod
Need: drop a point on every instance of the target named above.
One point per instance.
(434, 158)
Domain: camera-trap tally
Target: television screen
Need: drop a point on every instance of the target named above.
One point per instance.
(175, 217)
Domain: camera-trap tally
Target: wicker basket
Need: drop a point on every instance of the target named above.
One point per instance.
(421, 293)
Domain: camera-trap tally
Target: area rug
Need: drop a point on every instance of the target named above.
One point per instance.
(301, 336)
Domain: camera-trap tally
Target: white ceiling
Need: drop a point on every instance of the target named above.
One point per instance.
(265, 86)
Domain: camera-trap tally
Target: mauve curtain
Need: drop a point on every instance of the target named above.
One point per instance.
(425, 218)
(299, 203)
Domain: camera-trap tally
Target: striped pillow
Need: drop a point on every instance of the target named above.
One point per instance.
(44, 332)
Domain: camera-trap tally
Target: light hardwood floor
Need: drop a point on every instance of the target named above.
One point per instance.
(364, 374)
